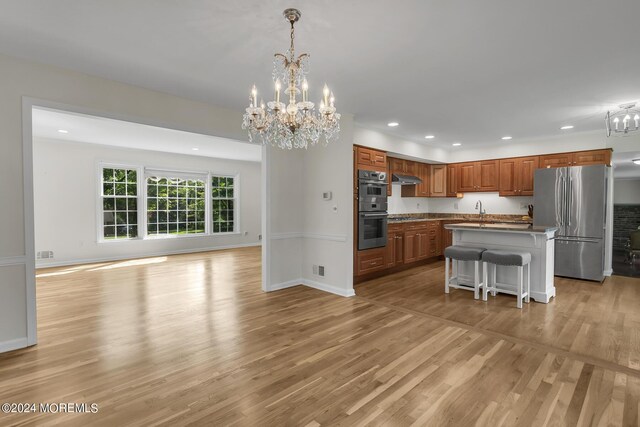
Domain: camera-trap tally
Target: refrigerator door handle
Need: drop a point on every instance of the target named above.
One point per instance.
(570, 202)
(562, 205)
(560, 239)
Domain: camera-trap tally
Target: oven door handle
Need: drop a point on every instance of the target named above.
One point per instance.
(371, 182)
(373, 215)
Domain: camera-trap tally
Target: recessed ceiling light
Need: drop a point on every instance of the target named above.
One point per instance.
(456, 144)
(636, 161)
(429, 136)
(506, 138)
(63, 131)
(195, 148)
(566, 127)
(392, 124)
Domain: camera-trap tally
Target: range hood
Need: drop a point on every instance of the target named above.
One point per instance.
(405, 179)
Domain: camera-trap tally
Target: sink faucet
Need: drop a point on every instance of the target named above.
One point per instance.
(481, 211)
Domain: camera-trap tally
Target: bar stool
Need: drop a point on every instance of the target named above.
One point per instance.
(459, 253)
(507, 258)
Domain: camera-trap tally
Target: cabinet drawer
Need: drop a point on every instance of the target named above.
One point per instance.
(416, 226)
(371, 260)
(394, 227)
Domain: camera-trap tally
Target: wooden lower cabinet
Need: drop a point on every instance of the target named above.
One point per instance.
(410, 246)
(423, 245)
(394, 251)
(371, 260)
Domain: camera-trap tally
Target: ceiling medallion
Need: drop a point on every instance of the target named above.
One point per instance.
(296, 124)
(624, 121)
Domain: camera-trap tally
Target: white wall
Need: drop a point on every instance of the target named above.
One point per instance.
(626, 192)
(65, 185)
(491, 202)
(53, 87)
(328, 225)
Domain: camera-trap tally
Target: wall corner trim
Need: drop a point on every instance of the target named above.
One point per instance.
(312, 284)
(14, 344)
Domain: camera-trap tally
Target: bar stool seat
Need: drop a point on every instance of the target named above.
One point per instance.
(459, 253)
(519, 259)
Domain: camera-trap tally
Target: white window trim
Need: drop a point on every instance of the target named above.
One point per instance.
(141, 184)
(100, 206)
(180, 173)
(236, 204)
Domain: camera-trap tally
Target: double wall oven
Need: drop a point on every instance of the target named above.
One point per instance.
(372, 209)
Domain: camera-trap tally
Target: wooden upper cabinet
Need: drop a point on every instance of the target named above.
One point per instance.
(424, 173)
(452, 180)
(556, 160)
(578, 158)
(516, 176)
(389, 172)
(396, 165)
(528, 166)
(411, 168)
(438, 181)
(478, 176)
(370, 158)
(508, 182)
(487, 175)
(466, 177)
(593, 157)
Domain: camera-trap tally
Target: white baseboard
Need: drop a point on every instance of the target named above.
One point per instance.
(311, 284)
(284, 285)
(608, 273)
(13, 344)
(328, 288)
(142, 255)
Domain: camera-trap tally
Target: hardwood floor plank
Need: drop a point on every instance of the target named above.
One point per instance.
(192, 340)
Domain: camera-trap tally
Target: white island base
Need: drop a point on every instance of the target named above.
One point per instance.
(539, 241)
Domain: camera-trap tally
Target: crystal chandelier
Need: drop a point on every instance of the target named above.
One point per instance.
(624, 121)
(297, 124)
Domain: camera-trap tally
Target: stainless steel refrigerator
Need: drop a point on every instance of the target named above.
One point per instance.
(574, 199)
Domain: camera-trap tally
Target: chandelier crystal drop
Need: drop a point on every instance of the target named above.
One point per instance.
(296, 124)
(624, 121)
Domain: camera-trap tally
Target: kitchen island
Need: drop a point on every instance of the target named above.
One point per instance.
(539, 241)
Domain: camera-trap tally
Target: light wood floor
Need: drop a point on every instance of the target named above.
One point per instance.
(191, 339)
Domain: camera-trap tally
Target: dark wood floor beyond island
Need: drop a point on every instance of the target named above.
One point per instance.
(191, 339)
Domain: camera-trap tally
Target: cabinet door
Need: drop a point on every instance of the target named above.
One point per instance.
(410, 168)
(389, 178)
(509, 171)
(556, 160)
(390, 251)
(593, 157)
(466, 175)
(410, 246)
(424, 170)
(526, 169)
(452, 180)
(487, 174)
(379, 159)
(365, 156)
(438, 181)
(423, 245)
(396, 165)
(399, 252)
(371, 260)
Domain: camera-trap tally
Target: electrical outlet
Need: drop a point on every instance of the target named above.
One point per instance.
(315, 269)
(524, 206)
(455, 206)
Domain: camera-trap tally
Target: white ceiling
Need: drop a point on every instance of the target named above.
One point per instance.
(623, 165)
(98, 130)
(467, 71)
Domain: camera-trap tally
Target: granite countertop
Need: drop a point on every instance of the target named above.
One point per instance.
(504, 219)
(522, 228)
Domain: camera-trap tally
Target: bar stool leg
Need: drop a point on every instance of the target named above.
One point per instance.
(455, 271)
(446, 275)
(519, 304)
(476, 280)
(528, 283)
(485, 280)
(495, 280)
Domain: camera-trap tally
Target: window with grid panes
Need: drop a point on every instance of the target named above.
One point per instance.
(119, 203)
(175, 205)
(223, 204)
